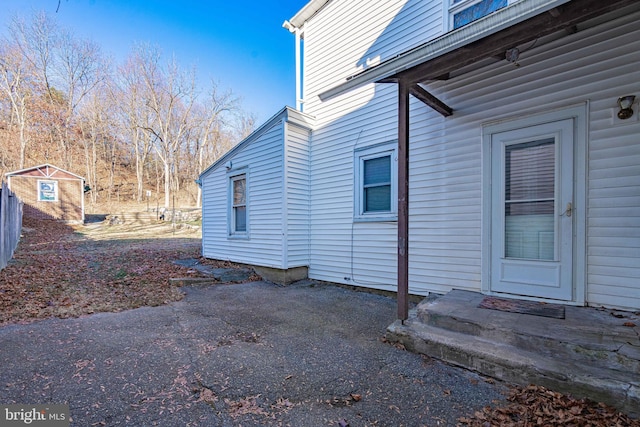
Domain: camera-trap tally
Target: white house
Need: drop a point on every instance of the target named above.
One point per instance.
(491, 146)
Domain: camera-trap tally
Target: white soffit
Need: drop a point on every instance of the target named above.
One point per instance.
(307, 12)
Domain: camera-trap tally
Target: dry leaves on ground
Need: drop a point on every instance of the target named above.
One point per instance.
(59, 272)
(538, 406)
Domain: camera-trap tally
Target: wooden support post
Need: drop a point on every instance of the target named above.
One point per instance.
(403, 200)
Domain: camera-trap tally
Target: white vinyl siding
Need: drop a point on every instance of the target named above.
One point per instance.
(347, 37)
(585, 67)
(296, 188)
(341, 40)
(344, 251)
(277, 202)
(591, 68)
(263, 245)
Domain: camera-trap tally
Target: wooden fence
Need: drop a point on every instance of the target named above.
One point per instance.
(10, 224)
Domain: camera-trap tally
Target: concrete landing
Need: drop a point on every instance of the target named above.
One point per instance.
(591, 353)
(224, 275)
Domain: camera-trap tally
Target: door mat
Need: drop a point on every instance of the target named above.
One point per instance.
(525, 307)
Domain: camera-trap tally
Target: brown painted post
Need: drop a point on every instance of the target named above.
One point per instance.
(403, 200)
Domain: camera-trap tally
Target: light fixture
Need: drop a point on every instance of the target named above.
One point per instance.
(625, 103)
(512, 55)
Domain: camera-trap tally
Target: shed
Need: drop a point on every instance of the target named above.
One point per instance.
(49, 193)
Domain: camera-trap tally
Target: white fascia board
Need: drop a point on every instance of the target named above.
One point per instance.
(42, 166)
(483, 27)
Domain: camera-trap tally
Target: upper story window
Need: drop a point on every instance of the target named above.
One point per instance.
(462, 12)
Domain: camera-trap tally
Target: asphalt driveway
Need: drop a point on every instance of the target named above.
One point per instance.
(249, 354)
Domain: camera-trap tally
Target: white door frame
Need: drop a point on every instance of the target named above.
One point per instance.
(579, 116)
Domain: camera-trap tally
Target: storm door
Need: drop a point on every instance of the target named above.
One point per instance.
(532, 209)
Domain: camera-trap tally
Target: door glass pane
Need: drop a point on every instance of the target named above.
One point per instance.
(530, 200)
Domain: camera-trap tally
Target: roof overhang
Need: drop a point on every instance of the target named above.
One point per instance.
(307, 12)
(47, 167)
(487, 37)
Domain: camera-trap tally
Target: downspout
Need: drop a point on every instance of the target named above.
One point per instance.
(297, 32)
(285, 199)
(299, 100)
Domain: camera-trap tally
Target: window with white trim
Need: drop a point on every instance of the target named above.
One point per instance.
(376, 171)
(463, 12)
(238, 224)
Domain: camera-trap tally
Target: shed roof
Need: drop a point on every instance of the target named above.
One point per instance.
(45, 171)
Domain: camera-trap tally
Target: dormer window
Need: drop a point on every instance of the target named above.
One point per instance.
(462, 12)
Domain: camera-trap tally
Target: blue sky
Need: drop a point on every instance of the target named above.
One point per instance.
(240, 44)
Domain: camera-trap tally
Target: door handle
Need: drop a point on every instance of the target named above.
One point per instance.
(568, 211)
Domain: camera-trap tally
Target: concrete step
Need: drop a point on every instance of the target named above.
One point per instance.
(588, 354)
(585, 335)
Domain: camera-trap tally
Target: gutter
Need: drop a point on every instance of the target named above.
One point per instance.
(307, 12)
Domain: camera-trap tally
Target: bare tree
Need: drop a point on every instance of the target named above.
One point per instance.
(135, 116)
(209, 134)
(170, 97)
(98, 124)
(36, 40)
(15, 84)
(61, 102)
(65, 70)
(79, 68)
(246, 124)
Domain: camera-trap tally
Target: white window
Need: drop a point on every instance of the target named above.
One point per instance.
(376, 172)
(462, 12)
(47, 191)
(238, 224)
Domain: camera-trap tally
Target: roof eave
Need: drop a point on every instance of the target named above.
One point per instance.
(307, 12)
(44, 165)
